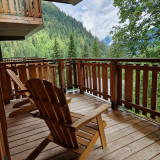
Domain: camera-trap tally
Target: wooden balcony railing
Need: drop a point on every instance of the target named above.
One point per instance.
(27, 8)
(133, 84)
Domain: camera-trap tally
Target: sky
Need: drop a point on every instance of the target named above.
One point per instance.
(97, 16)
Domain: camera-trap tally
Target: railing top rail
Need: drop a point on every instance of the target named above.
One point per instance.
(152, 60)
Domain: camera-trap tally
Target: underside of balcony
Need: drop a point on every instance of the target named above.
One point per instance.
(19, 20)
(128, 136)
(18, 28)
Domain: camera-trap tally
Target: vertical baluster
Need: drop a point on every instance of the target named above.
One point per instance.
(99, 78)
(69, 76)
(94, 74)
(114, 83)
(105, 80)
(11, 7)
(54, 76)
(32, 71)
(90, 78)
(46, 71)
(154, 90)
(21, 9)
(137, 92)
(80, 76)
(36, 8)
(40, 71)
(84, 82)
(25, 9)
(120, 84)
(51, 74)
(5, 6)
(128, 85)
(61, 75)
(145, 88)
(17, 7)
(87, 84)
(40, 8)
(0, 7)
(30, 10)
(75, 74)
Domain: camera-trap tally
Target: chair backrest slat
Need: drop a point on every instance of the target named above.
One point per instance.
(53, 106)
(18, 82)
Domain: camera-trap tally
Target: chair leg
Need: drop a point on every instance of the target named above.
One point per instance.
(39, 149)
(101, 131)
(21, 103)
(23, 110)
(89, 147)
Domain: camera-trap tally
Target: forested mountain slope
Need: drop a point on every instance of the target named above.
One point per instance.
(57, 25)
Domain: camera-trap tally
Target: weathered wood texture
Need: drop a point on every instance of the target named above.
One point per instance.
(16, 7)
(126, 134)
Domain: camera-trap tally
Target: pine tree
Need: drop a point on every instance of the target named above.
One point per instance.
(56, 51)
(85, 52)
(95, 49)
(71, 49)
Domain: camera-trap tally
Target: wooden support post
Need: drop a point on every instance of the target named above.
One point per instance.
(4, 125)
(80, 76)
(61, 75)
(114, 83)
(4, 81)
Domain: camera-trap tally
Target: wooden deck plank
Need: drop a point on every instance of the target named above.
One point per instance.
(157, 157)
(126, 134)
(134, 147)
(99, 153)
(146, 153)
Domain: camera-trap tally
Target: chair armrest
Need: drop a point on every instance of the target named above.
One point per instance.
(87, 118)
(35, 113)
(68, 99)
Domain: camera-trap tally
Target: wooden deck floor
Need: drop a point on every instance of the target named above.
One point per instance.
(128, 136)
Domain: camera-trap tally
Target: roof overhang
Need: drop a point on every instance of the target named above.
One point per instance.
(73, 2)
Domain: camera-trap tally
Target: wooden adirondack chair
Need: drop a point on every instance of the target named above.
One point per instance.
(70, 130)
(23, 89)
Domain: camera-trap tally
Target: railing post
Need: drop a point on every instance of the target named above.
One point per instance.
(80, 76)
(3, 124)
(61, 75)
(114, 84)
(4, 82)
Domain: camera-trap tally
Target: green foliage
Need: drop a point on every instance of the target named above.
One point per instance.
(56, 51)
(95, 49)
(85, 53)
(71, 49)
(57, 25)
(139, 28)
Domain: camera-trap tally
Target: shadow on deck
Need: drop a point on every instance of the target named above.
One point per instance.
(129, 137)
